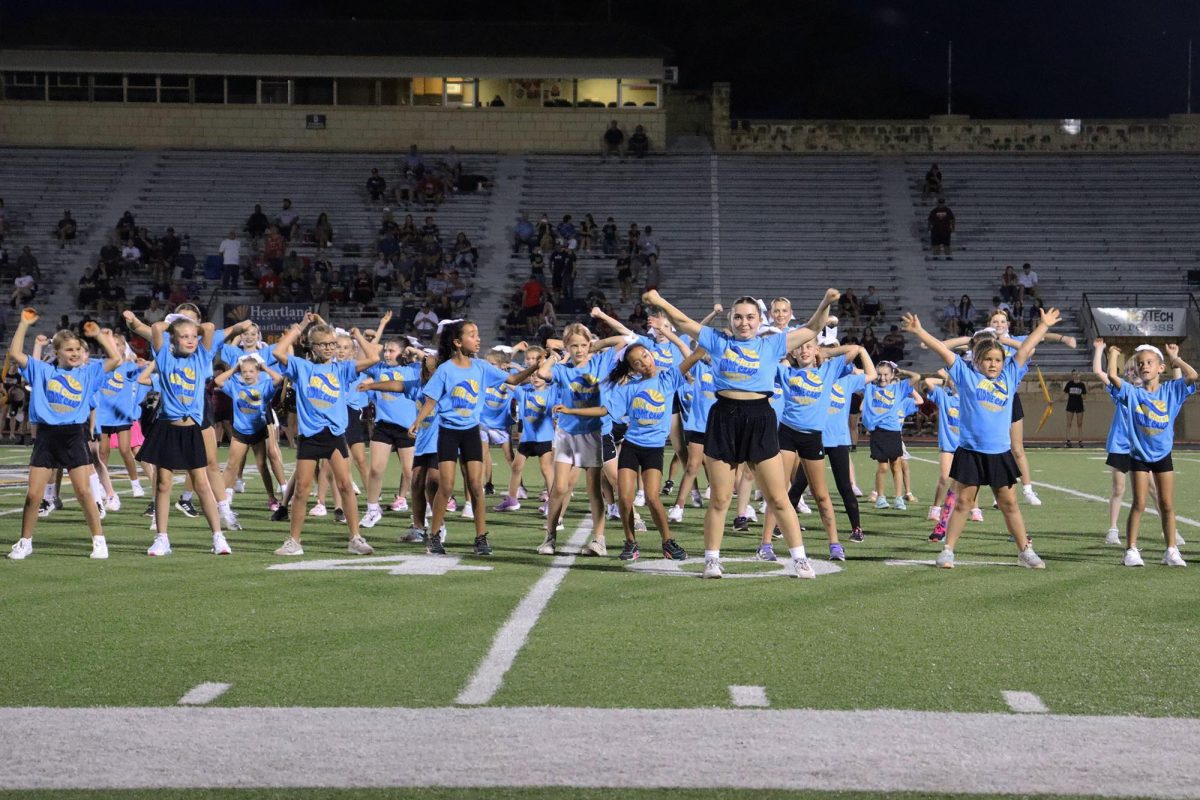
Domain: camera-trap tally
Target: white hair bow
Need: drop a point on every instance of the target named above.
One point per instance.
(1151, 348)
(444, 323)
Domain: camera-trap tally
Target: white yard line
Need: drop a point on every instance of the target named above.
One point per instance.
(1025, 702)
(204, 693)
(749, 696)
(512, 636)
(893, 750)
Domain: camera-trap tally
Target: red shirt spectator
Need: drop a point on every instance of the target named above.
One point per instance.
(531, 292)
(268, 285)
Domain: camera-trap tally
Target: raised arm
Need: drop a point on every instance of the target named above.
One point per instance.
(16, 348)
(283, 348)
(276, 377)
(370, 350)
(680, 319)
(710, 316)
(151, 333)
(690, 360)
(850, 351)
(913, 377)
(1114, 367)
(1049, 318)
(522, 376)
(236, 329)
(911, 324)
(868, 366)
(220, 380)
(104, 337)
(1172, 351)
(611, 322)
(674, 339)
(545, 370)
(1098, 361)
(798, 336)
(144, 376)
(590, 411)
(39, 346)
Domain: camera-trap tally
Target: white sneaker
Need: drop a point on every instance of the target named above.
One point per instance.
(22, 549)
(1133, 558)
(1179, 542)
(230, 520)
(546, 548)
(1171, 558)
(369, 519)
(355, 486)
(137, 490)
(220, 546)
(1031, 496)
(750, 515)
(935, 513)
(871, 498)
(639, 499)
(1113, 536)
(899, 504)
(639, 524)
(102, 508)
(675, 514)
(881, 502)
(468, 512)
(697, 502)
(359, 546)
(945, 559)
(708, 493)
(521, 493)
(803, 568)
(976, 515)
(99, 547)
(802, 507)
(857, 491)
(290, 547)
(614, 511)
(161, 546)
(318, 510)
(113, 503)
(239, 486)
(1030, 559)
(712, 568)
(762, 507)
(596, 547)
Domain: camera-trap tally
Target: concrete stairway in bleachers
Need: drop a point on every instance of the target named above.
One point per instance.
(495, 277)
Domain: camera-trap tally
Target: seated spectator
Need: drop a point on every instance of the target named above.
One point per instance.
(1032, 313)
(274, 248)
(126, 227)
(169, 246)
(524, 235)
(131, 255)
(1028, 280)
(948, 317)
(388, 246)
(323, 231)
(1000, 304)
(336, 292)
(872, 306)
(653, 273)
(431, 229)
(430, 190)
(384, 273)
(179, 294)
(24, 290)
(257, 224)
(288, 220)
(633, 243)
(1009, 287)
(966, 316)
(872, 345)
(408, 231)
(154, 312)
(145, 241)
(414, 162)
(376, 185)
(848, 305)
(425, 322)
(112, 299)
(388, 222)
(465, 254)
(639, 143)
(608, 238)
(268, 286)
(65, 231)
(405, 189)
(318, 286)
(363, 293)
(638, 318)
(933, 182)
(566, 229)
(457, 290)
(453, 165)
(648, 245)
(27, 264)
(613, 141)
(893, 345)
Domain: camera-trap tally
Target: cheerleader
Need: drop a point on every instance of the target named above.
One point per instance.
(251, 385)
(885, 404)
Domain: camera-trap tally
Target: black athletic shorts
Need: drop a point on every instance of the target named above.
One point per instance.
(393, 435)
(694, 437)
(426, 461)
(1074, 404)
(454, 444)
(1121, 462)
(805, 444)
(108, 430)
(250, 439)
(60, 447)
(1162, 465)
(886, 445)
(608, 447)
(174, 447)
(676, 406)
(321, 445)
(534, 449)
(1018, 411)
(856, 401)
(354, 426)
(639, 458)
(972, 468)
(741, 430)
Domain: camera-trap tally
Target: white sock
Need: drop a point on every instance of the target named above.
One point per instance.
(185, 497)
(228, 495)
(136, 482)
(797, 552)
(223, 507)
(374, 507)
(712, 554)
(97, 490)
(49, 494)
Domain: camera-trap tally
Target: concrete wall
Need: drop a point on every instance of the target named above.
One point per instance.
(942, 134)
(1098, 412)
(149, 125)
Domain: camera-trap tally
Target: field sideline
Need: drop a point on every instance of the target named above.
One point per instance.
(410, 671)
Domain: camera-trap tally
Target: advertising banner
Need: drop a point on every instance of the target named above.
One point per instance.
(1140, 322)
(272, 318)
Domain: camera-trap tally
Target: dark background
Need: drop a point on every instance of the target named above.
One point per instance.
(821, 58)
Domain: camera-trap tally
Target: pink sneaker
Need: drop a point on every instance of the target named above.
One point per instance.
(395, 506)
(451, 506)
(272, 504)
(508, 504)
(976, 515)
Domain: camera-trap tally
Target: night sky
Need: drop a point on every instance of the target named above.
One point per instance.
(853, 58)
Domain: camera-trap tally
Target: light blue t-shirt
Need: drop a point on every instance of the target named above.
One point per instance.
(251, 402)
(497, 405)
(884, 407)
(666, 354)
(947, 404)
(536, 407)
(836, 432)
(579, 387)
(459, 391)
(427, 436)
(231, 353)
(183, 379)
(704, 396)
(321, 393)
(397, 408)
(647, 405)
(806, 392)
(1150, 416)
(1118, 431)
(985, 406)
(117, 404)
(59, 396)
(748, 365)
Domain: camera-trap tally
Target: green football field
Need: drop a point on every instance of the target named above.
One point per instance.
(1086, 637)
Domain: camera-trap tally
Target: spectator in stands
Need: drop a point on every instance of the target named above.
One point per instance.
(941, 225)
(458, 291)
(893, 345)
(126, 227)
(1033, 311)
(288, 220)
(65, 230)
(88, 292)
(413, 162)
(384, 273)
(431, 190)
(318, 286)
(425, 322)
(532, 296)
(154, 312)
(24, 290)
(524, 235)
(848, 305)
(268, 286)
(323, 231)
(872, 345)
(257, 224)
(131, 255)
(274, 248)
(1010, 288)
(363, 293)
(608, 237)
(638, 318)
(648, 245)
(872, 306)
(465, 254)
(639, 142)
(613, 142)
(587, 234)
(966, 316)
(453, 166)
(376, 185)
(561, 261)
(1028, 279)
(625, 277)
(110, 253)
(932, 185)
(169, 246)
(566, 229)
(27, 264)
(231, 260)
(112, 299)
(537, 263)
(430, 228)
(145, 241)
(179, 294)
(633, 242)
(388, 224)
(653, 274)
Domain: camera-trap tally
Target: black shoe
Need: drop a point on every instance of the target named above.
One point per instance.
(339, 516)
(149, 512)
(280, 514)
(630, 551)
(668, 487)
(672, 551)
(434, 546)
(741, 524)
(57, 503)
(44, 508)
(488, 488)
(857, 535)
(482, 546)
(187, 508)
